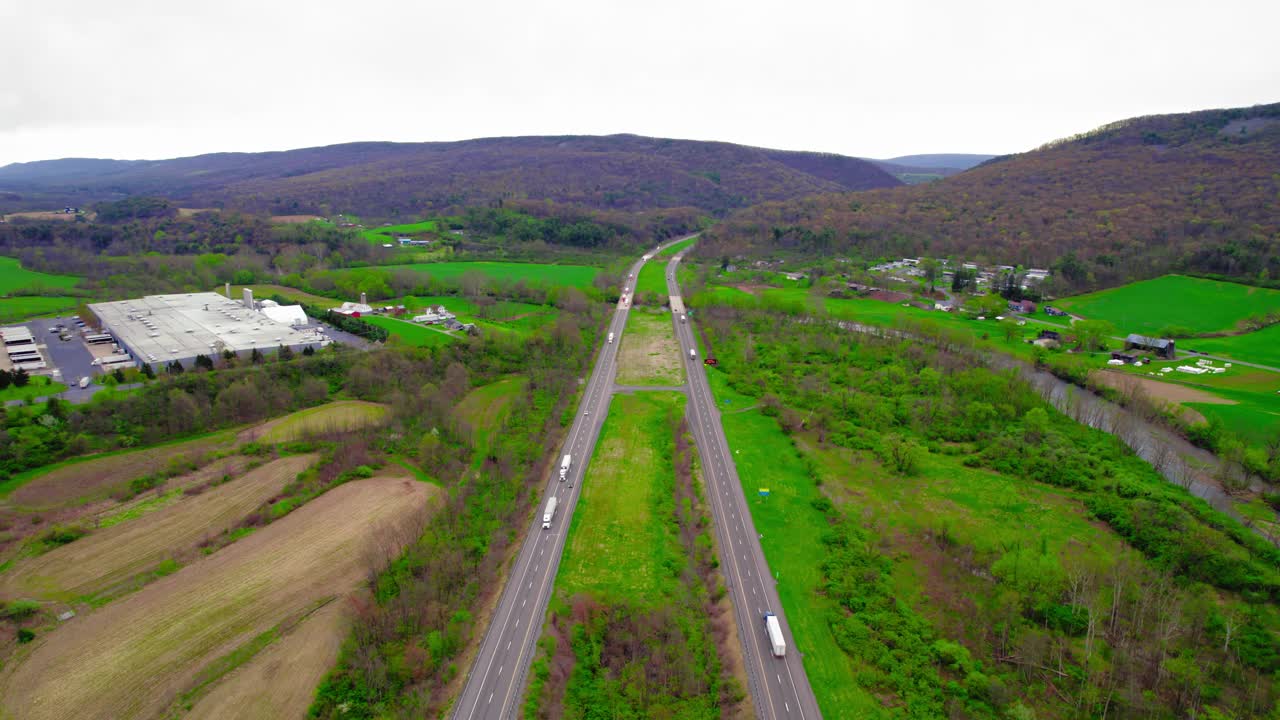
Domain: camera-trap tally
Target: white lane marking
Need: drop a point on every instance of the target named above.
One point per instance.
(518, 619)
(787, 706)
(490, 698)
(522, 602)
(779, 678)
(753, 592)
(500, 668)
(508, 644)
(530, 583)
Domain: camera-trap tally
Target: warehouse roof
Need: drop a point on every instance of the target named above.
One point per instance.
(159, 328)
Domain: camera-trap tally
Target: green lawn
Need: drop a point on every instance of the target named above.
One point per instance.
(622, 544)
(410, 332)
(1150, 306)
(335, 416)
(381, 235)
(14, 277)
(22, 307)
(39, 386)
(534, 274)
(653, 279)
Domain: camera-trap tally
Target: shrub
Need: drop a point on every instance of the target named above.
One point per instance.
(25, 636)
(19, 609)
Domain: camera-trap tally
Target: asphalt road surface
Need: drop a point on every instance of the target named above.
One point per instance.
(778, 686)
(495, 683)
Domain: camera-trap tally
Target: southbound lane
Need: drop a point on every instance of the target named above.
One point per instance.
(495, 682)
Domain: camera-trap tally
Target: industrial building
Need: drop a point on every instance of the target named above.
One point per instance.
(20, 347)
(160, 329)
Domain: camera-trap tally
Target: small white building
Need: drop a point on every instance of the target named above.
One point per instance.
(291, 315)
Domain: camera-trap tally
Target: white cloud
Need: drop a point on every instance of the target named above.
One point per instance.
(139, 78)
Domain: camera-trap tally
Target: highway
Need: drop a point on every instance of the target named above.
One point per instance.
(495, 683)
(778, 686)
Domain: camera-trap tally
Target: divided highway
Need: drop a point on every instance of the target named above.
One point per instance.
(495, 683)
(778, 686)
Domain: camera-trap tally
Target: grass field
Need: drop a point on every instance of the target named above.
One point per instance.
(13, 309)
(653, 279)
(1200, 306)
(485, 407)
(412, 333)
(792, 543)
(533, 274)
(620, 542)
(133, 658)
(1246, 400)
(280, 681)
(14, 277)
(112, 558)
(1261, 347)
(94, 477)
(673, 249)
(39, 386)
(649, 354)
(330, 417)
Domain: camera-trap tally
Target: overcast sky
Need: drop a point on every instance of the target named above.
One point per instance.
(143, 79)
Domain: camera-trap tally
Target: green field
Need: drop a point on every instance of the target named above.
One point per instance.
(653, 280)
(14, 277)
(677, 247)
(1174, 301)
(39, 386)
(28, 306)
(381, 235)
(533, 274)
(621, 540)
(485, 408)
(335, 416)
(1261, 347)
(411, 333)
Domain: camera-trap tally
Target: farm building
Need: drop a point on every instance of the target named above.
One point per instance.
(354, 309)
(178, 327)
(1160, 346)
(1049, 334)
(434, 314)
(1022, 306)
(1126, 358)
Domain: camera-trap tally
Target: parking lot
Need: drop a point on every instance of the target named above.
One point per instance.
(70, 359)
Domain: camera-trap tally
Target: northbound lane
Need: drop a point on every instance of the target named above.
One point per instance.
(778, 686)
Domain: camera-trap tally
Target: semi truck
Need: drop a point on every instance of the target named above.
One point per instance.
(550, 513)
(610, 338)
(565, 462)
(693, 353)
(84, 381)
(770, 624)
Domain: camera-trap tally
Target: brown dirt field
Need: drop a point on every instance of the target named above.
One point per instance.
(649, 354)
(109, 558)
(888, 296)
(21, 527)
(281, 681)
(1171, 393)
(132, 658)
(291, 219)
(97, 478)
(41, 215)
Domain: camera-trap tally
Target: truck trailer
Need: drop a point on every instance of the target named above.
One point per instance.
(770, 624)
(610, 338)
(565, 462)
(550, 513)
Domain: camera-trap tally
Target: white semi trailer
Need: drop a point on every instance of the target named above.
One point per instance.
(692, 353)
(565, 462)
(771, 624)
(610, 338)
(550, 513)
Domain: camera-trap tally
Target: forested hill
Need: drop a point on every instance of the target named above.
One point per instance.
(1193, 192)
(625, 173)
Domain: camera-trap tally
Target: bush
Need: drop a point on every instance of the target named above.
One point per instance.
(25, 636)
(19, 609)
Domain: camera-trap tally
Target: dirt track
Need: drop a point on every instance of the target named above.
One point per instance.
(134, 657)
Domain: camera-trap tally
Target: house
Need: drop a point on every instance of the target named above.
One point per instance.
(1022, 306)
(1055, 312)
(407, 242)
(1049, 335)
(1160, 346)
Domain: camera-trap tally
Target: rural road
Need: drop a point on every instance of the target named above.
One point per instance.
(778, 686)
(495, 683)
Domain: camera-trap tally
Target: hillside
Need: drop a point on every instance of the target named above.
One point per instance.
(1192, 192)
(625, 173)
